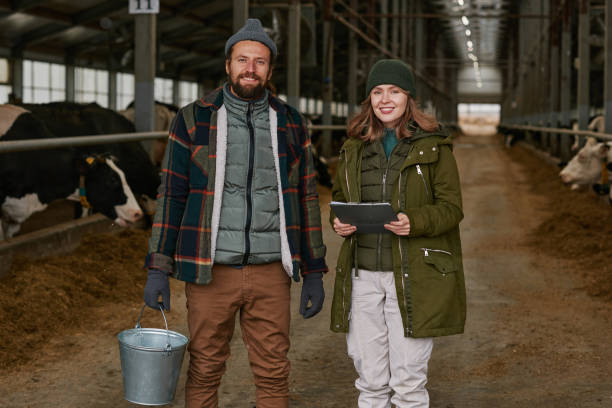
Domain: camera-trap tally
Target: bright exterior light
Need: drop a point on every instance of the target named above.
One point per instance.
(470, 44)
(468, 32)
(460, 2)
(465, 20)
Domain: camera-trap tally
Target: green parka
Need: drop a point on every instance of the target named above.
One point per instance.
(427, 263)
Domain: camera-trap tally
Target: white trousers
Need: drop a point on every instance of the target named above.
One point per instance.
(392, 368)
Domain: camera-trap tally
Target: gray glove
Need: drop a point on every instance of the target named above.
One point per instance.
(157, 284)
(312, 290)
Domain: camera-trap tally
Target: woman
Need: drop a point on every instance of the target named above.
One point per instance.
(395, 291)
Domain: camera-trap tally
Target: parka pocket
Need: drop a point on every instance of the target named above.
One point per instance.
(435, 290)
(441, 260)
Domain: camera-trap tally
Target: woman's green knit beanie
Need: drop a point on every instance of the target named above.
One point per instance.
(391, 72)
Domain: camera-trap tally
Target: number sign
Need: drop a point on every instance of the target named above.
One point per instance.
(144, 6)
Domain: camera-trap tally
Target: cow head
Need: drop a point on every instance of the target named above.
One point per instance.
(585, 167)
(106, 190)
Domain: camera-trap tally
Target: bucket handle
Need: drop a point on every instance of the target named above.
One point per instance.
(137, 326)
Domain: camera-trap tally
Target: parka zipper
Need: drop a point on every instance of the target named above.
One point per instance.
(403, 275)
(426, 251)
(384, 190)
(247, 225)
(348, 189)
(418, 169)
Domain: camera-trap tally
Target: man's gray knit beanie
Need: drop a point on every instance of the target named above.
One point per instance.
(252, 31)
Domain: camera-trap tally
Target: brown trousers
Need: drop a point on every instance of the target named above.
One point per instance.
(261, 294)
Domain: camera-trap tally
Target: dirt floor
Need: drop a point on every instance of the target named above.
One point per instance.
(537, 262)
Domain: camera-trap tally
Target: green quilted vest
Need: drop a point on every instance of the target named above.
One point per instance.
(377, 178)
(249, 227)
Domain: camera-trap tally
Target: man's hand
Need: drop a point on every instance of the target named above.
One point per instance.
(157, 284)
(401, 226)
(312, 290)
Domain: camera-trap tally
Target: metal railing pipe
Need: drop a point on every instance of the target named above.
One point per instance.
(600, 136)
(58, 142)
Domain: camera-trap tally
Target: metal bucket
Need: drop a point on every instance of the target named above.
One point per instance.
(151, 361)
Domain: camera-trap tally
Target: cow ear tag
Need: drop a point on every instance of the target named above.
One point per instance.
(90, 160)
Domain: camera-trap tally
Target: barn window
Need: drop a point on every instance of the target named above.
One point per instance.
(319, 109)
(91, 86)
(4, 71)
(188, 92)
(163, 90)
(5, 90)
(125, 90)
(43, 82)
(303, 105)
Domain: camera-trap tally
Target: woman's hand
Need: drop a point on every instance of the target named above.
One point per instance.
(401, 226)
(344, 230)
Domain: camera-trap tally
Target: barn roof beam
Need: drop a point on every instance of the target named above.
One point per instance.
(189, 5)
(184, 11)
(173, 12)
(21, 5)
(99, 11)
(100, 39)
(189, 30)
(77, 19)
(39, 33)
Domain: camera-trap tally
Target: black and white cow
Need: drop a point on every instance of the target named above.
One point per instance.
(66, 119)
(29, 181)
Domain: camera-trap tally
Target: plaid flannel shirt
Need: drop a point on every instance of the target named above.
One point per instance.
(181, 235)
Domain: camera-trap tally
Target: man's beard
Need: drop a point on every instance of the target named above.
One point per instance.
(248, 92)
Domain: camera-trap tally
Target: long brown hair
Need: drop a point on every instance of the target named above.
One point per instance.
(366, 126)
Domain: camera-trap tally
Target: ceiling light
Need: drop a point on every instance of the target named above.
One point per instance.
(465, 20)
(470, 44)
(468, 32)
(460, 2)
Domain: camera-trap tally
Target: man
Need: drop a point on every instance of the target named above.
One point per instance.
(237, 216)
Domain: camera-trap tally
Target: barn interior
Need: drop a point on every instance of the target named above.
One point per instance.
(525, 86)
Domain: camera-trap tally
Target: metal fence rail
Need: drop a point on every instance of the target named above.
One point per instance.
(58, 142)
(600, 136)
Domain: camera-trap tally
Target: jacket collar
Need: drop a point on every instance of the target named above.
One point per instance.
(214, 100)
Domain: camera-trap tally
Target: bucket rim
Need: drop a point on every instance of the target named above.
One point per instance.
(145, 330)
